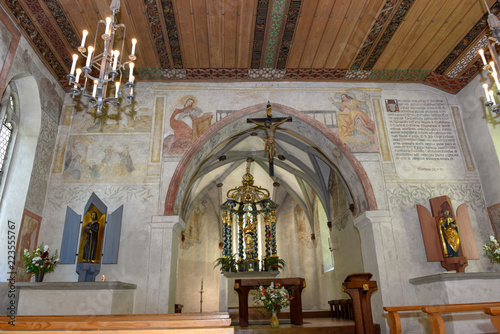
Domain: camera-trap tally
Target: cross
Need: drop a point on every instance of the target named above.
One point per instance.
(269, 124)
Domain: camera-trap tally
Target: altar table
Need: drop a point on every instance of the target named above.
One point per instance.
(243, 287)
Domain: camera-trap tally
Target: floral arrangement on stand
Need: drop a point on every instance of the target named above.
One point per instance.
(273, 298)
(39, 261)
(492, 250)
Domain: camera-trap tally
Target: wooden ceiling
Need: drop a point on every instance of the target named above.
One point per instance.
(425, 41)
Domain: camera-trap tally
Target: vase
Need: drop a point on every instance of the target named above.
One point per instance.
(39, 277)
(275, 323)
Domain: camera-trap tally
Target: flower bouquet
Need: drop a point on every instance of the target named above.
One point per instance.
(39, 261)
(492, 250)
(273, 298)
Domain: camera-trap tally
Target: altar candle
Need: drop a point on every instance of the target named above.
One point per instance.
(73, 65)
(202, 284)
(85, 33)
(103, 278)
(117, 88)
(492, 97)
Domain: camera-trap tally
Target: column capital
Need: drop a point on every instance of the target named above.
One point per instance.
(174, 223)
(372, 217)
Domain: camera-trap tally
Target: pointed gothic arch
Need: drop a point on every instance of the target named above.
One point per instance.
(309, 129)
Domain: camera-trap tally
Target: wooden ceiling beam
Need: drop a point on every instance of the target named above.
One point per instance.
(247, 10)
(229, 33)
(200, 20)
(316, 33)
(304, 24)
(346, 30)
(215, 32)
(436, 35)
(360, 33)
(185, 27)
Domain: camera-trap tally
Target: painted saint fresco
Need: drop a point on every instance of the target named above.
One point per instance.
(28, 237)
(99, 159)
(355, 125)
(188, 122)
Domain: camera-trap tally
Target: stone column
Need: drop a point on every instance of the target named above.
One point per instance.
(162, 263)
(379, 253)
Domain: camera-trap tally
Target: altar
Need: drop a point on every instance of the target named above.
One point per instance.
(75, 298)
(296, 285)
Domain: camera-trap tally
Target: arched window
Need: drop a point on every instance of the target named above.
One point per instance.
(10, 119)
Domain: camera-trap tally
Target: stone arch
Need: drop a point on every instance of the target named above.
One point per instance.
(18, 177)
(236, 123)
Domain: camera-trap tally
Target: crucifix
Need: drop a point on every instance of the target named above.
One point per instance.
(269, 124)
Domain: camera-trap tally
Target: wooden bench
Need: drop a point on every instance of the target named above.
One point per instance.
(126, 323)
(341, 309)
(434, 314)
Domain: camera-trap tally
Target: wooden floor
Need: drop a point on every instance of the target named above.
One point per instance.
(311, 325)
(315, 322)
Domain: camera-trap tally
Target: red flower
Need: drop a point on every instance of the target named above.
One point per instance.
(291, 298)
(47, 263)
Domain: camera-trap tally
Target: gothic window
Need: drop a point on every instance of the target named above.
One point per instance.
(10, 118)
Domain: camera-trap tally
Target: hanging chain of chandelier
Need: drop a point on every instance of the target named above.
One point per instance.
(243, 205)
(493, 66)
(108, 65)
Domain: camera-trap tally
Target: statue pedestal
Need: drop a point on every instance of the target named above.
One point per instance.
(227, 296)
(75, 298)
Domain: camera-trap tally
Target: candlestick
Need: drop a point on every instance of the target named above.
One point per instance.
(131, 74)
(134, 42)
(73, 65)
(85, 33)
(89, 57)
(115, 62)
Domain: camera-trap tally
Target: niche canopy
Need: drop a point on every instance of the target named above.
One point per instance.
(244, 205)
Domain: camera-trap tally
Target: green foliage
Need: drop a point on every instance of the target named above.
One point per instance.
(274, 263)
(39, 261)
(226, 263)
(273, 298)
(492, 250)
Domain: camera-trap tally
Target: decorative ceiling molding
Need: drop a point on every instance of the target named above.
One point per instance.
(391, 29)
(259, 33)
(36, 39)
(383, 19)
(288, 33)
(157, 32)
(172, 33)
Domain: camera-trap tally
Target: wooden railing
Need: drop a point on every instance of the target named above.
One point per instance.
(434, 314)
(126, 323)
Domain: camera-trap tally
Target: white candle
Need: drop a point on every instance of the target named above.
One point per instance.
(131, 91)
(202, 284)
(89, 56)
(481, 53)
(133, 79)
(131, 74)
(494, 74)
(115, 62)
(78, 72)
(95, 88)
(492, 97)
(85, 33)
(117, 88)
(485, 87)
(134, 42)
(73, 65)
(108, 22)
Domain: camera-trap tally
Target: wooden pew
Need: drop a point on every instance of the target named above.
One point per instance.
(434, 314)
(494, 312)
(133, 323)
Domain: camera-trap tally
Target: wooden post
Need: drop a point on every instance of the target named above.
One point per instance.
(360, 288)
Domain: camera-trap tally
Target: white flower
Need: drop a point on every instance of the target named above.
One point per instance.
(497, 251)
(45, 248)
(37, 265)
(492, 238)
(25, 251)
